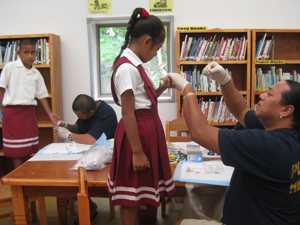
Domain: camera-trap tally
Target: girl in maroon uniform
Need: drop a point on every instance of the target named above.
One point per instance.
(140, 172)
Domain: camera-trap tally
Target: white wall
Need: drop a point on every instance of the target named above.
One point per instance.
(67, 18)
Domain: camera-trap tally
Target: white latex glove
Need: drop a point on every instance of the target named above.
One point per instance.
(178, 81)
(62, 123)
(63, 133)
(216, 72)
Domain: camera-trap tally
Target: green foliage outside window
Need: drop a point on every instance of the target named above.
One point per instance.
(110, 41)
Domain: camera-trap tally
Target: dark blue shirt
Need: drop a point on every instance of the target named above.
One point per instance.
(265, 185)
(104, 120)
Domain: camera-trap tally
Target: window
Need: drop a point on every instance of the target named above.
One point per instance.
(106, 36)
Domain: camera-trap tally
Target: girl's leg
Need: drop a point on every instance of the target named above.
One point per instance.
(18, 161)
(129, 215)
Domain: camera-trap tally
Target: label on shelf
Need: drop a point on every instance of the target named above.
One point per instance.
(191, 28)
(271, 61)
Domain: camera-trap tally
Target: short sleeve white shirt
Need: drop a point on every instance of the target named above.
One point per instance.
(127, 77)
(22, 86)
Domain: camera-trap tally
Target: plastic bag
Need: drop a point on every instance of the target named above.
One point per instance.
(95, 158)
(204, 202)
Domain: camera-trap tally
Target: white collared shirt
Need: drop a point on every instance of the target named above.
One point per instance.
(128, 77)
(22, 85)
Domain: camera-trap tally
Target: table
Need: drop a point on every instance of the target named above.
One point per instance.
(49, 178)
(54, 178)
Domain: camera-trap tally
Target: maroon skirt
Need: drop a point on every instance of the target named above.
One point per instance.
(20, 131)
(130, 188)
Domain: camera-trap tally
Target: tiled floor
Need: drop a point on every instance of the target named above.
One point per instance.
(103, 214)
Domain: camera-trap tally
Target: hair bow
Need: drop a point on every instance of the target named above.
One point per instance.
(144, 13)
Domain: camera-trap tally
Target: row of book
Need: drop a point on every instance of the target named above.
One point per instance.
(9, 50)
(215, 110)
(199, 81)
(264, 47)
(213, 48)
(265, 80)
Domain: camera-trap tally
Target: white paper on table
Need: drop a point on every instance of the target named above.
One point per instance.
(64, 148)
(207, 172)
(55, 157)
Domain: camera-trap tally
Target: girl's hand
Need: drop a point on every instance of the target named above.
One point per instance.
(165, 82)
(140, 161)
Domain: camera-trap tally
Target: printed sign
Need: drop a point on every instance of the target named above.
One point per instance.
(99, 6)
(161, 5)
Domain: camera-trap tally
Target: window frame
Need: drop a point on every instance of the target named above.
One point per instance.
(93, 24)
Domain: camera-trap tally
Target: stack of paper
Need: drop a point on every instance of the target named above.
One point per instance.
(206, 172)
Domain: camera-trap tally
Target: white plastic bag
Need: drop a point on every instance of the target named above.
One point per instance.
(95, 158)
(204, 202)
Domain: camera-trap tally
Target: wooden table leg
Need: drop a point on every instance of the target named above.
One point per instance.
(61, 210)
(20, 205)
(42, 210)
(33, 215)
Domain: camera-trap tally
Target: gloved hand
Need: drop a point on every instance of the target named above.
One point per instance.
(216, 72)
(178, 81)
(62, 123)
(63, 134)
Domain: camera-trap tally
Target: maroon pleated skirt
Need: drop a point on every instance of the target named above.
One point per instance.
(20, 131)
(130, 188)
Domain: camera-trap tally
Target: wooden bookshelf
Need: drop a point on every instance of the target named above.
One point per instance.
(52, 76)
(282, 48)
(236, 60)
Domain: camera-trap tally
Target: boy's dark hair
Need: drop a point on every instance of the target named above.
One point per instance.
(140, 24)
(27, 41)
(84, 104)
(292, 97)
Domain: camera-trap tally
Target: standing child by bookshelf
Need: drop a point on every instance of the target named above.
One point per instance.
(140, 173)
(20, 85)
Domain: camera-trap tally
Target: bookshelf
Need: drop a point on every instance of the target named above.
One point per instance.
(48, 63)
(194, 50)
(275, 56)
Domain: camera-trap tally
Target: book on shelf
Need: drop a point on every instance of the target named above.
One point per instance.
(265, 47)
(9, 49)
(213, 48)
(199, 81)
(268, 78)
(259, 45)
(183, 47)
(215, 110)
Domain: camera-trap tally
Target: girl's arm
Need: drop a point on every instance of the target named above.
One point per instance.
(139, 159)
(164, 84)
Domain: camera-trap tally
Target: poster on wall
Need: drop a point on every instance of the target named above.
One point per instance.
(99, 6)
(161, 5)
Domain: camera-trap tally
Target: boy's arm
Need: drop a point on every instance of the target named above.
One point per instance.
(2, 91)
(53, 117)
